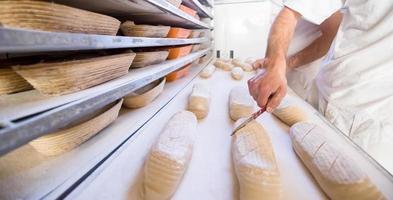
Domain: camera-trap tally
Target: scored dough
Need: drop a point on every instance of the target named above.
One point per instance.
(245, 66)
(255, 163)
(170, 156)
(338, 175)
(237, 73)
(241, 103)
(290, 115)
(226, 66)
(199, 100)
(207, 71)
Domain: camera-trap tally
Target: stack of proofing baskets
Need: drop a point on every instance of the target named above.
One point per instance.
(72, 72)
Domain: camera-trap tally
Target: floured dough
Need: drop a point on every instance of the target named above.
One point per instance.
(290, 115)
(255, 164)
(207, 71)
(226, 66)
(250, 60)
(169, 157)
(241, 103)
(335, 171)
(199, 100)
(237, 73)
(245, 66)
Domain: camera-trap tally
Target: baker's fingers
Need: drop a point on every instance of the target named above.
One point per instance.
(253, 88)
(258, 63)
(263, 95)
(276, 99)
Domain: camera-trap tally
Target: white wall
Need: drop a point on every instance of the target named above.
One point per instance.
(243, 27)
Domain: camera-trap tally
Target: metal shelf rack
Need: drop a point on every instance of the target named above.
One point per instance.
(202, 10)
(141, 11)
(19, 132)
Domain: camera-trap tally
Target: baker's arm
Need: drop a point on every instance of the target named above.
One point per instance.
(320, 46)
(273, 82)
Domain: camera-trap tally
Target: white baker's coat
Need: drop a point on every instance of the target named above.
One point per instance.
(355, 84)
(302, 79)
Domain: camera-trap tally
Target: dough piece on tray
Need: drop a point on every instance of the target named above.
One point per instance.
(199, 100)
(241, 103)
(290, 115)
(169, 157)
(226, 66)
(338, 175)
(255, 163)
(237, 73)
(207, 71)
(245, 66)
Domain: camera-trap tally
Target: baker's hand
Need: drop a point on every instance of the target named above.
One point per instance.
(269, 86)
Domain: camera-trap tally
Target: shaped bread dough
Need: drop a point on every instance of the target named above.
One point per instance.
(250, 60)
(237, 73)
(199, 100)
(169, 157)
(241, 103)
(226, 66)
(207, 71)
(290, 115)
(255, 164)
(245, 66)
(338, 175)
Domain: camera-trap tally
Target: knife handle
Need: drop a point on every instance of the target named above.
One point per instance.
(258, 113)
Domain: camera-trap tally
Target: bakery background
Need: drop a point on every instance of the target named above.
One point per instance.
(90, 89)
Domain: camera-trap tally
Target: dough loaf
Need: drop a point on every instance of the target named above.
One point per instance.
(245, 66)
(290, 115)
(237, 73)
(169, 157)
(199, 100)
(241, 103)
(207, 71)
(226, 66)
(255, 164)
(338, 175)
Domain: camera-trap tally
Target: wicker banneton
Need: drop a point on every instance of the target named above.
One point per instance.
(143, 59)
(11, 82)
(47, 16)
(63, 77)
(70, 138)
(145, 95)
(128, 28)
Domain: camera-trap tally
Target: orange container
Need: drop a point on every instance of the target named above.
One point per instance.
(177, 52)
(188, 10)
(178, 74)
(178, 33)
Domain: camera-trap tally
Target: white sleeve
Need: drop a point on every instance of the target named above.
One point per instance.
(314, 11)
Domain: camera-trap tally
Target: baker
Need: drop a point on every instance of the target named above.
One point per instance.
(355, 82)
(306, 50)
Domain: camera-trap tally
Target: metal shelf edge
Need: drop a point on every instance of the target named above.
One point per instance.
(22, 40)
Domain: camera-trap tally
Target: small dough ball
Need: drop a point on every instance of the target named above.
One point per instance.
(290, 115)
(245, 66)
(207, 71)
(250, 60)
(237, 73)
(223, 65)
